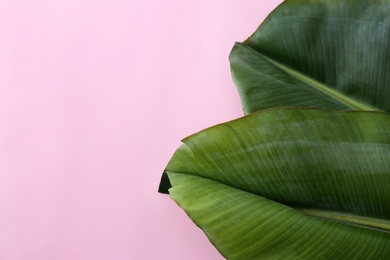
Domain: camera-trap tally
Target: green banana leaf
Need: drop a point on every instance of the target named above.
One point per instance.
(317, 53)
(247, 183)
(242, 225)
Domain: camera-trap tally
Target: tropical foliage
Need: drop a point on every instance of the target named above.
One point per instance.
(305, 174)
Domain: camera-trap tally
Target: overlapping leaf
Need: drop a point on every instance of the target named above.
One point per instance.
(297, 157)
(247, 182)
(317, 53)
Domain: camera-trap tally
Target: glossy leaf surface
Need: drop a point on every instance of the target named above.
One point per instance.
(317, 53)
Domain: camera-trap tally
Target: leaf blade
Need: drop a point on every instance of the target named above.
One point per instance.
(341, 44)
(245, 226)
(298, 157)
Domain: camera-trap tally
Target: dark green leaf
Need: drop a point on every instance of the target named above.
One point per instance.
(324, 54)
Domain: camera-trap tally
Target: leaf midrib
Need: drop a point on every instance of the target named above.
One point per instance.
(362, 221)
(335, 94)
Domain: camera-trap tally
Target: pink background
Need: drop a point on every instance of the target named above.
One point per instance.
(94, 99)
